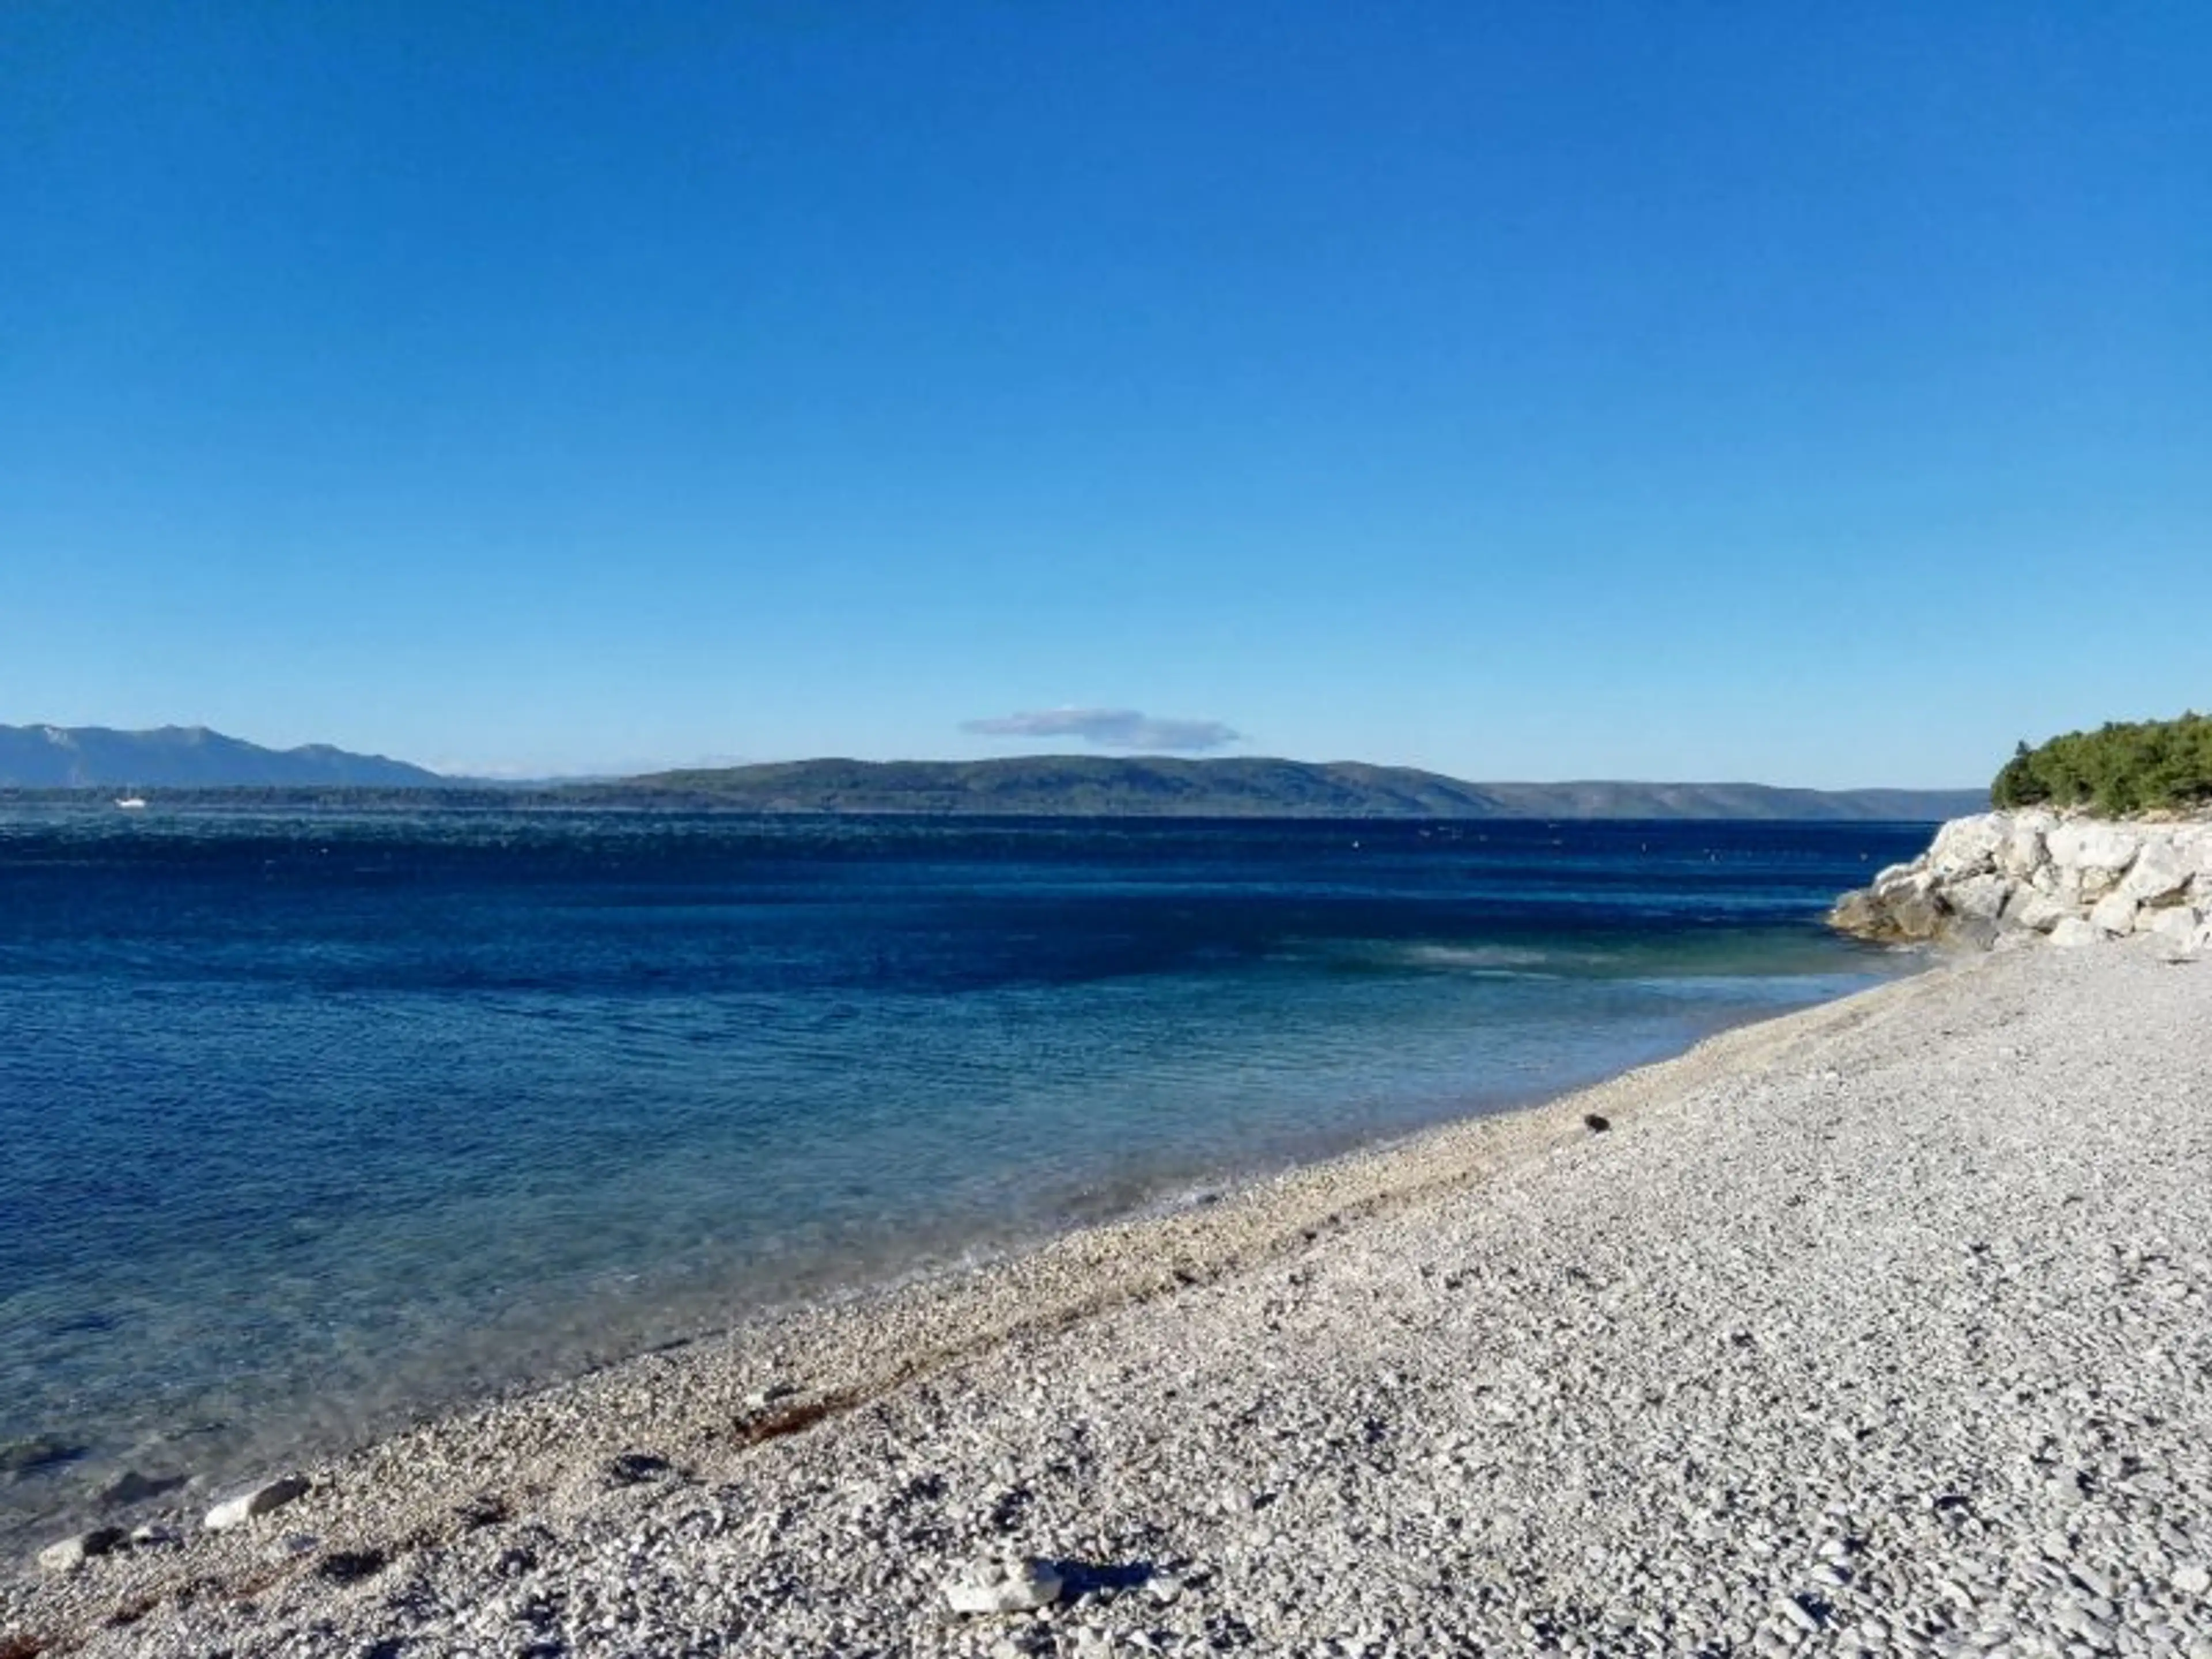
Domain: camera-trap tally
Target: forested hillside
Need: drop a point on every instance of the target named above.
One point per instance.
(2122, 767)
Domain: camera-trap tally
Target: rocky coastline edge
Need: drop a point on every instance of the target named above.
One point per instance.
(1999, 880)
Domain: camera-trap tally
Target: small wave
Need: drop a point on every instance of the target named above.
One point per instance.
(1401, 956)
(1474, 957)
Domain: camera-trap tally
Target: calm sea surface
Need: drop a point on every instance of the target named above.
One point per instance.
(308, 1122)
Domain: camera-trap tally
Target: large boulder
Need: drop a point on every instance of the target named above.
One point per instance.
(2177, 925)
(2092, 844)
(1905, 912)
(2114, 914)
(2158, 874)
(1969, 847)
(2036, 911)
(2193, 842)
(2023, 852)
(1915, 916)
(1979, 898)
(2091, 856)
(1901, 879)
(1859, 911)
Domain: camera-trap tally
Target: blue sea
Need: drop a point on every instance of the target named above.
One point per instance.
(311, 1122)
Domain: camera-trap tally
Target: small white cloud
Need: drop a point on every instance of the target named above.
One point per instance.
(1109, 728)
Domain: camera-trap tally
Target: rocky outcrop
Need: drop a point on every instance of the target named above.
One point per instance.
(2036, 874)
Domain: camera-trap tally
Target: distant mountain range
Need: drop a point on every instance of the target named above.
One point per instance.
(193, 758)
(1086, 785)
(184, 758)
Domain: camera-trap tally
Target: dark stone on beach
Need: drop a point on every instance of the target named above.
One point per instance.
(631, 1467)
(350, 1566)
(1595, 1124)
(75, 1552)
(486, 1509)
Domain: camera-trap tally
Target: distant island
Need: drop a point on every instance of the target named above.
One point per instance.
(1110, 787)
(184, 758)
(191, 763)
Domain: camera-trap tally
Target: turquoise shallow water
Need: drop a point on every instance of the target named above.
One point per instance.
(308, 1123)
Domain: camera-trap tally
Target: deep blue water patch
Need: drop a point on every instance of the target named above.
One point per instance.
(309, 1122)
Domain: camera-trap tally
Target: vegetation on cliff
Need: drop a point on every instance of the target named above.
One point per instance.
(2123, 767)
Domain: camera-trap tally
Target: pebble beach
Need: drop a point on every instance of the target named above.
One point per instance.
(1885, 1327)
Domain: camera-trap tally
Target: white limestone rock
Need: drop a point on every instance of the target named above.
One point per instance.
(2023, 852)
(994, 1584)
(1905, 881)
(2030, 873)
(261, 1500)
(2158, 873)
(2114, 914)
(1979, 898)
(2092, 857)
(2095, 883)
(1968, 847)
(66, 1555)
(2091, 844)
(2072, 931)
(2177, 925)
(2034, 910)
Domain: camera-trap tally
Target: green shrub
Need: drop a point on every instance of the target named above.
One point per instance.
(2122, 767)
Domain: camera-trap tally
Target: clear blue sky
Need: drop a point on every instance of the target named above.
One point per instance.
(1815, 394)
